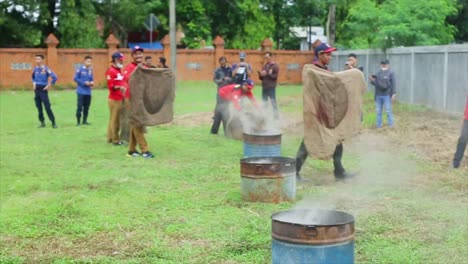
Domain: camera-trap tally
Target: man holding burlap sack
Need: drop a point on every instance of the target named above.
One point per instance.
(151, 93)
(332, 110)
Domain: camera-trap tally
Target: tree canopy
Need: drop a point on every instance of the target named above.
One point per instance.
(242, 23)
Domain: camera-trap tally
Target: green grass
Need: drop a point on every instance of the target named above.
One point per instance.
(68, 197)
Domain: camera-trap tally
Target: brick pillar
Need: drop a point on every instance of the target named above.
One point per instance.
(267, 45)
(52, 57)
(112, 42)
(218, 43)
(166, 42)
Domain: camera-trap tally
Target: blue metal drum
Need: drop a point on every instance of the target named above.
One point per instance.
(262, 145)
(312, 237)
(268, 179)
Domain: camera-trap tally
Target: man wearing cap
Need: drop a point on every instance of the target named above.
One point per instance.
(137, 135)
(462, 141)
(41, 85)
(241, 71)
(235, 92)
(85, 80)
(116, 86)
(323, 55)
(385, 92)
(269, 76)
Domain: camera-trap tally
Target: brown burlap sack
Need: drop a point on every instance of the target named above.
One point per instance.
(152, 97)
(332, 108)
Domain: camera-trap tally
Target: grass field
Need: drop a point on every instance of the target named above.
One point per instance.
(68, 197)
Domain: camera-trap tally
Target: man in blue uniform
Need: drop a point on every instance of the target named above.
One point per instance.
(41, 85)
(85, 80)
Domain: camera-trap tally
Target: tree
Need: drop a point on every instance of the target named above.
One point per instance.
(82, 13)
(399, 23)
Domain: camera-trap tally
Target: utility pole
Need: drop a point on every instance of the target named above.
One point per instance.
(172, 35)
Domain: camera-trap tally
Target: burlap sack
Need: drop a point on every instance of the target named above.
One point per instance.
(152, 97)
(332, 108)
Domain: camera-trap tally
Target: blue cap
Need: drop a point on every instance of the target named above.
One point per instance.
(323, 48)
(242, 55)
(117, 55)
(249, 83)
(385, 62)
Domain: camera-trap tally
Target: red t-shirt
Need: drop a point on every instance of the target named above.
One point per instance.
(114, 78)
(233, 93)
(466, 109)
(127, 72)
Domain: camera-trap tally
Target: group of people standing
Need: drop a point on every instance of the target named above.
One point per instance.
(118, 99)
(234, 82)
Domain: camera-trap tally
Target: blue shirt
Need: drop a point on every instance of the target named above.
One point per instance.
(41, 74)
(83, 75)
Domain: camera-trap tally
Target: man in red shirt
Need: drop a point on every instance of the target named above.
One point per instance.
(137, 135)
(235, 92)
(462, 141)
(116, 86)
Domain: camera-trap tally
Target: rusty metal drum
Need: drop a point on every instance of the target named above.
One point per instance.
(317, 236)
(262, 144)
(268, 179)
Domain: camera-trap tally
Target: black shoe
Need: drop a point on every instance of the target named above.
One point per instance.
(86, 123)
(41, 125)
(78, 124)
(147, 155)
(455, 165)
(54, 126)
(344, 176)
(133, 154)
(118, 143)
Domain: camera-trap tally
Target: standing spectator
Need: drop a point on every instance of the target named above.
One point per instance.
(116, 86)
(222, 77)
(352, 62)
(162, 63)
(137, 135)
(322, 59)
(148, 62)
(269, 76)
(241, 71)
(385, 92)
(41, 85)
(462, 141)
(85, 80)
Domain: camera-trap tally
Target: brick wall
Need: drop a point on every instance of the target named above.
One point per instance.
(16, 64)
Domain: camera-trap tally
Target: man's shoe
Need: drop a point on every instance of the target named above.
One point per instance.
(133, 154)
(118, 143)
(455, 165)
(86, 123)
(344, 176)
(78, 124)
(147, 155)
(54, 126)
(41, 125)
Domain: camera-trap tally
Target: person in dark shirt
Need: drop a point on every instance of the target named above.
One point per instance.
(385, 92)
(162, 63)
(41, 86)
(269, 76)
(222, 77)
(322, 59)
(85, 80)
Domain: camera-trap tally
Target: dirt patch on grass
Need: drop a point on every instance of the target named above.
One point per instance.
(193, 119)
